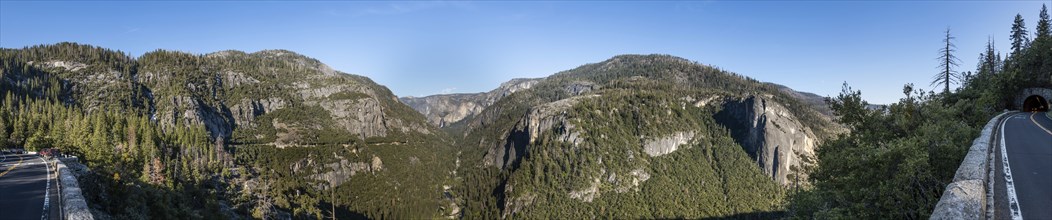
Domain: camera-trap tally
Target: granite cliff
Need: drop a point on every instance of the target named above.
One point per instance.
(609, 132)
(258, 132)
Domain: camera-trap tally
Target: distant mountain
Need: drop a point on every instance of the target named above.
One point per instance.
(446, 109)
(275, 134)
(289, 122)
(635, 136)
(815, 100)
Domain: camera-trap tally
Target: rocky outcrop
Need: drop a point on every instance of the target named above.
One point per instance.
(772, 135)
(246, 111)
(540, 119)
(355, 104)
(68, 65)
(339, 172)
(445, 109)
(364, 117)
(442, 110)
(515, 204)
(580, 87)
(668, 144)
(588, 193)
(227, 90)
(187, 110)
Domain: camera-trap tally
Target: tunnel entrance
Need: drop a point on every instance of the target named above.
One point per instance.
(1035, 103)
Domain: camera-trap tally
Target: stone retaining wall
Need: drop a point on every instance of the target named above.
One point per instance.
(965, 197)
(73, 205)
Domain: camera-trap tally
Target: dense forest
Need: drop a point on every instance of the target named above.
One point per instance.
(575, 144)
(896, 161)
(274, 134)
(135, 160)
(173, 127)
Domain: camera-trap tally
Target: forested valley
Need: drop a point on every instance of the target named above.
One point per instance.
(275, 134)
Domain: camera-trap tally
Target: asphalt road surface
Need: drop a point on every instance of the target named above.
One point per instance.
(27, 190)
(1023, 187)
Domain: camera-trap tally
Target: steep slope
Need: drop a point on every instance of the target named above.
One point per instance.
(613, 138)
(231, 89)
(288, 130)
(274, 134)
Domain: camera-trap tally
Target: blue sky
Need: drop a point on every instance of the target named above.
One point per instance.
(423, 48)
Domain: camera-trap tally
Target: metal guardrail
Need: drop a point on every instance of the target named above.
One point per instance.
(966, 197)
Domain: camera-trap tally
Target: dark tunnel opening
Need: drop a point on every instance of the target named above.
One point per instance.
(1035, 103)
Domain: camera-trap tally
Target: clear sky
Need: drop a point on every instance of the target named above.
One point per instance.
(423, 48)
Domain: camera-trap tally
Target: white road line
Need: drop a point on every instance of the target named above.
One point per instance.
(1013, 202)
(47, 190)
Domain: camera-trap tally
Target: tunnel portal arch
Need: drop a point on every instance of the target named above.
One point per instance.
(1033, 99)
(1035, 103)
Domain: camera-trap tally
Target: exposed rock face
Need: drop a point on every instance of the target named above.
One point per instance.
(338, 172)
(68, 65)
(355, 103)
(580, 87)
(587, 194)
(246, 111)
(221, 92)
(540, 119)
(644, 115)
(442, 110)
(190, 110)
(769, 133)
(363, 116)
(665, 145)
(516, 204)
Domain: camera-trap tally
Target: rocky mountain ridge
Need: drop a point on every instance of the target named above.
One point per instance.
(281, 120)
(445, 109)
(772, 135)
(617, 131)
(612, 126)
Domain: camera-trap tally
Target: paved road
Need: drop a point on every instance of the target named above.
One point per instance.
(1024, 187)
(24, 182)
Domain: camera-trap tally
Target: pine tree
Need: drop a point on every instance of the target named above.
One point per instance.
(3, 132)
(946, 62)
(9, 102)
(1043, 24)
(100, 146)
(999, 63)
(18, 131)
(989, 60)
(1019, 35)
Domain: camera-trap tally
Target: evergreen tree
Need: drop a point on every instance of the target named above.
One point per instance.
(989, 61)
(38, 141)
(18, 131)
(1043, 24)
(99, 148)
(3, 132)
(947, 61)
(1019, 35)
